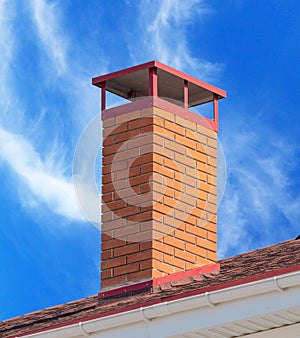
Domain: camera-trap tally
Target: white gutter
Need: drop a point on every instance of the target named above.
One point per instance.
(150, 313)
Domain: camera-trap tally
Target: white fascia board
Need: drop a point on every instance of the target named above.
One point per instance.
(191, 313)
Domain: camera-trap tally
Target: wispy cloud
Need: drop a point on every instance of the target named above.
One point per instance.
(46, 17)
(43, 178)
(163, 33)
(260, 191)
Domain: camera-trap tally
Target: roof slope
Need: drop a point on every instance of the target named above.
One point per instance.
(255, 265)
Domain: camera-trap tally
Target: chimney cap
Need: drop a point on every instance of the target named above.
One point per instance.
(134, 82)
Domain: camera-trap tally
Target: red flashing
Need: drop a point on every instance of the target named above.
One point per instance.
(160, 281)
(126, 289)
(236, 282)
(187, 274)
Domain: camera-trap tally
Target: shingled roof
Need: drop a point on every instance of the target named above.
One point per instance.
(255, 265)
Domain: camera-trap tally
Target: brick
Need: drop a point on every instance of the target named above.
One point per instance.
(212, 180)
(142, 122)
(108, 159)
(147, 111)
(113, 243)
(145, 245)
(198, 138)
(110, 263)
(177, 147)
(162, 208)
(185, 123)
(212, 162)
(140, 256)
(195, 230)
(185, 141)
(190, 266)
(129, 211)
(127, 249)
(127, 230)
(197, 156)
(129, 116)
(134, 171)
(118, 166)
(142, 160)
(212, 236)
(185, 256)
(108, 216)
(146, 216)
(140, 141)
(212, 143)
(207, 187)
(108, 122)
(141, 179)
(106, 274)
(107, 150)
(207, 244)
(174, 261)
(146, 264)
(163, 132)
(123, 270)
(212, 152)
(170, 202)
(212, 256)
(107, 197)
(168, 153)
(140, 275)
(206, 131)
(109, 140)
(116, 205)
(119, 129)
(122, 137)
(211, 227)
(165, 115)
(199, 251)
(171, 183)
(163, 247)
(202, 261)
(106, 254)
(167, 269)
(186, 237)
(146, 168)
(106, 169)
(157, 255)
(139, 237)
(113, 282)
(174, 243)
(174, 128)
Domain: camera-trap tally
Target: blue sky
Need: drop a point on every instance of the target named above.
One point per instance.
(50, 50)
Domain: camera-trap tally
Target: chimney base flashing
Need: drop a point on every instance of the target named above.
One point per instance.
(157, 283)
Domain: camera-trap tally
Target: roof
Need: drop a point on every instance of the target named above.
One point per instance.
(170, 84)
(256, 265)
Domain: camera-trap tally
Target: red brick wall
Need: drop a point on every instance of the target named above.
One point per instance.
(158, 196)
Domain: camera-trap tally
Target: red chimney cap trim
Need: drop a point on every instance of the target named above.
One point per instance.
(97, 81)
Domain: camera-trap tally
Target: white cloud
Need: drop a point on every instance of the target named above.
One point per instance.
(46, 18)
(163, 32)
(44, 181)
(261, 205)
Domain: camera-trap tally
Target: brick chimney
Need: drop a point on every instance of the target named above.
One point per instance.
(159, 175)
